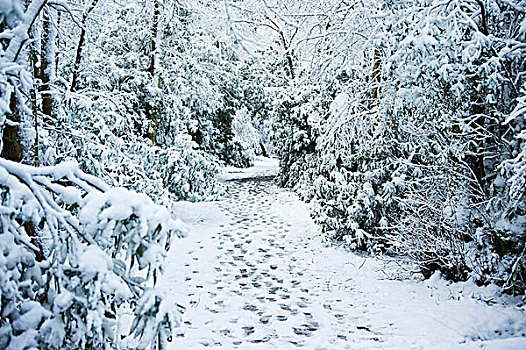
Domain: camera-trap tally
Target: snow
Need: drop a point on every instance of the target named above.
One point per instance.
(64, 169)
(503, 344)
(94, 261)
(54, 332)
(255, 271)
(33, 313)
(26, 340)
(70, 195)
(257, 275)
(6, 6)
(262, 167)
(119, 204)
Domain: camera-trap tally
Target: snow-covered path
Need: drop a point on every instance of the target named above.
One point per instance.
(253, 273)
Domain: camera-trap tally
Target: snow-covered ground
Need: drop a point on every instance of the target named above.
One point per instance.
(253, 273)
(262, 167)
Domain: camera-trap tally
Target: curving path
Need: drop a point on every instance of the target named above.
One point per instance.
(253, 273)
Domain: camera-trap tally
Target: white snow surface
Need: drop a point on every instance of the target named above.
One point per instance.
(254, 273)
(262, 167)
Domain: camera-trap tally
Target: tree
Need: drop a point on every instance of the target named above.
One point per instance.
(80, 46)
(414, 155)
(74, 248)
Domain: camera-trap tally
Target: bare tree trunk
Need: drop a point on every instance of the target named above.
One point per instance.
(47, 63)
(152, 112)
(33, 59)
(57, 44)
(375, 76)
(286, 45)
(288, 54)
(483, 18)
(11, 139)
(263, 150)
(80, 46)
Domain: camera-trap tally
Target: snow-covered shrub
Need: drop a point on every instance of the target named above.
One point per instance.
(515, 221)
(246, 133)
(188, 173)
(74, 252)
(106, 146)
(202, 84)
(191, 91)
(358, 175)
(104, 123)
(456, 61)
(295, 115)
(408, 158)
(250, 108)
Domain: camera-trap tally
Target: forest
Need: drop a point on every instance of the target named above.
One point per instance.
(400, 122)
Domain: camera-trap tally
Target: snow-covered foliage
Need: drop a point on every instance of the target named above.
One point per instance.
(518, 164)
(295, 114)
(122, 124)
(75, 252)
(214, 64)
(106, 145)
(245, 131)
(402, 121)
(416, 145)
(85, 81)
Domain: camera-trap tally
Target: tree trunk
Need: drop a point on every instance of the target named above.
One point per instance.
(33, 60)
(288, 55)
(375, 76)
(12, 148)
(80, 46)
(152, 111)
(11, 139)
(47, 60)
(263, 150)
(476, 161)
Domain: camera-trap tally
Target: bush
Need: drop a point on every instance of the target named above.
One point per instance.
(74, 253)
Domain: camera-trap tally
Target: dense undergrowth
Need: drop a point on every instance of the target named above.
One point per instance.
(403, 122)
(100, 100)
(411, 141)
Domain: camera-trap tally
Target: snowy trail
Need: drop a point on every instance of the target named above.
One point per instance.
(254, 274)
